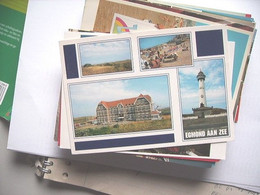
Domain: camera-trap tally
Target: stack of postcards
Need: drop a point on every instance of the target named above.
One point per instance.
(137, 84)
(159, 81)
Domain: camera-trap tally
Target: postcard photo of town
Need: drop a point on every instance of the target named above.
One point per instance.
(203, 99)
(121, 106)
(190, 150)
(105, 57)
(165, 51)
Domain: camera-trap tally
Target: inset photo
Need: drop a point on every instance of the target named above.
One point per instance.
(105, 57)
(121, 106)
(165, 51)
(203, 100)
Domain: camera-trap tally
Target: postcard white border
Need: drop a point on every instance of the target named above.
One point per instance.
(175, 109)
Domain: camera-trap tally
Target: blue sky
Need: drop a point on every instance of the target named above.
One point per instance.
(105, 51)
(85, 97)
(153, 41)
(214, 84)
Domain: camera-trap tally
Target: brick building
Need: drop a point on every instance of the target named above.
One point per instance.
(132, 109)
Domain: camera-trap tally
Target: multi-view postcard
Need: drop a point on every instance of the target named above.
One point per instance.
(146, 90)
(205, 152)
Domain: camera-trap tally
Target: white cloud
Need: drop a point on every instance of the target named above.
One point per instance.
(101, 91)
(190, 71)
(216, 97)
(215, 77)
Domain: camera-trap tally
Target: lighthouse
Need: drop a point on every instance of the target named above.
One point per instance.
(202, 109)
(202, 94)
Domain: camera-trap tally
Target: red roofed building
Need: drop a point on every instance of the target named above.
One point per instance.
(131, 109)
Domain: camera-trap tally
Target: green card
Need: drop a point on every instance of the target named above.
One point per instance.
(12, 19)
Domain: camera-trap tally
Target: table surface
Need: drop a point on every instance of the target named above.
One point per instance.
(17, 173)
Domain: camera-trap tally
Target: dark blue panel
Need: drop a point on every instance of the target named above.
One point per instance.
(209, 43)
(83, 36)
(121, 142)
(71, 61)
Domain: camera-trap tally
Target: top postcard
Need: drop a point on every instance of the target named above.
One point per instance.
(147, 89)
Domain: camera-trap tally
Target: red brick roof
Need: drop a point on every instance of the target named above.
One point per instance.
(124, 102)
(155, 112)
